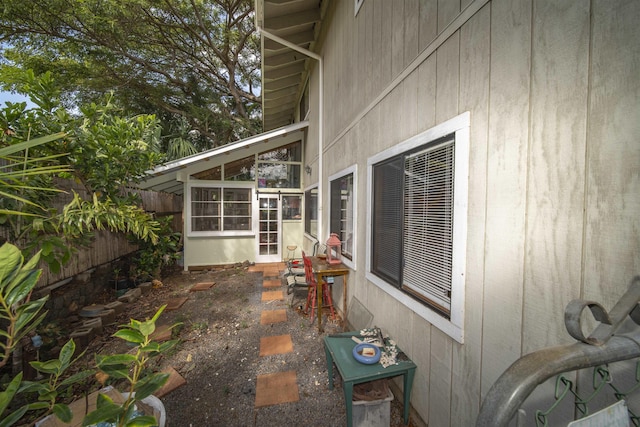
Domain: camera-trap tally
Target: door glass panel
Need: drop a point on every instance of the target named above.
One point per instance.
(268, 226)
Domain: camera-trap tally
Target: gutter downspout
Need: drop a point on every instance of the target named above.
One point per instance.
(312, 55)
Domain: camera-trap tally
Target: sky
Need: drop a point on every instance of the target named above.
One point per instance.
(8, 96)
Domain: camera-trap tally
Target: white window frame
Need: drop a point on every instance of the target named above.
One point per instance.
(307, 234)
(222, 186)
(352, 170)
(454, 325)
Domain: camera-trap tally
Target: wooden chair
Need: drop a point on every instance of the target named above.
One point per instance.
(312, 295)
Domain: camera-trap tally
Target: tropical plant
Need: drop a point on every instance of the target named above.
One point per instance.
(22, 316)
(131, 368)
(106, 151)
(175, 58)
(55, 382)
(151, 257)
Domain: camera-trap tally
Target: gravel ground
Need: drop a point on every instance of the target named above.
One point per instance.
(218, 355)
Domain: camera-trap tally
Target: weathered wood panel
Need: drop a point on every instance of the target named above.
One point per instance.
(553, 91)
(555, 195)
(428, 22)
(411, 30)
(397, 38)
(506, 183)
(440, 379)
(448, 68)
(474, 97)
(447, 11)
(612, 235)
(427, 94)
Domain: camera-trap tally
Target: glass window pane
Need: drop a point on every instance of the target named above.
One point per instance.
(341, 220)
(240, 170)
(213, 174)
(291, 207)
(278, 175)
(387, 219)
(311, 212)
(237, 194)
(205, 208)
(237, 223)
(205, 224)
(287, 153)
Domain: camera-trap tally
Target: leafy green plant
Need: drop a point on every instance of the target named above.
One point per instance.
(55, 383)
(153, 256)
(131, 368)
(22, 315)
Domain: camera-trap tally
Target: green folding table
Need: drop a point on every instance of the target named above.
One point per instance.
(339, 350)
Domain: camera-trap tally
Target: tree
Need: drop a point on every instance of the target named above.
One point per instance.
(97, 148)
(180, 59)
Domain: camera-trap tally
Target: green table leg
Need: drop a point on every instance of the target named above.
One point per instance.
(329, 366)
(348, 400)
(407, 384)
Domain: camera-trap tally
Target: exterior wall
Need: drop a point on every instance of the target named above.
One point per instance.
(207, 251)
(202, 251)
(554, 183)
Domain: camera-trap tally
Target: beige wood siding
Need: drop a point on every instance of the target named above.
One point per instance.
(554, 182)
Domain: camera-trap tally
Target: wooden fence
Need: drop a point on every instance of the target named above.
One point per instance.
(106, 246)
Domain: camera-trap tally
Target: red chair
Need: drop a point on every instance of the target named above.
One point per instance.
(312, 295)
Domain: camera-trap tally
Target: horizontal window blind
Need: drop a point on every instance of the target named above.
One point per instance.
(387, 220)
(428, 224)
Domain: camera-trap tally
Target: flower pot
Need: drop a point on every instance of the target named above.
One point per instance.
(120, 283)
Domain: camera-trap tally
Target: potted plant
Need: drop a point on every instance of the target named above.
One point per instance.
(22, 316)
(130, 367)
(118, 281)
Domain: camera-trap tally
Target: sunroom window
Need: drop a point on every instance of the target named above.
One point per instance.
(280, 168)
(217, 209)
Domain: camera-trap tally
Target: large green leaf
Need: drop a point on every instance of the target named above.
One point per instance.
(63, 412)
(66, 354)
(29, 315)
(142, 421)
(103, 360)
(21, 285)
(129, 335)
(7, 395)
(47, 367)
(14, 417)
(10, 263)
(150, 384)
(106, 411)
(15, 148)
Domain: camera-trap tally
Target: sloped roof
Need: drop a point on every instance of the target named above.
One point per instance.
(285, 71)
(165, 177)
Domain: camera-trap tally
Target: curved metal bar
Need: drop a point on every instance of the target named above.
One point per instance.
(510, 391)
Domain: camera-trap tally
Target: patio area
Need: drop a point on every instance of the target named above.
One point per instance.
(249, 356)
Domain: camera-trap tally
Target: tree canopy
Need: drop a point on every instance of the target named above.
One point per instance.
(192, 63)
(96, 147)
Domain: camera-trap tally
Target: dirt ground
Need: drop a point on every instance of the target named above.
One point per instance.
(218, 353)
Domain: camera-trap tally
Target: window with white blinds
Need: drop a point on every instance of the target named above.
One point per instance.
(428, 224)
(418, 213)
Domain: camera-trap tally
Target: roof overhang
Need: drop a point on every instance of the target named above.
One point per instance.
(168, 177)
(285, 71)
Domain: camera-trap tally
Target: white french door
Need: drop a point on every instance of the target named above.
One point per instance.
(269, 229)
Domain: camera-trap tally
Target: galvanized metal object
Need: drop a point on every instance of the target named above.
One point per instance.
(509, 392)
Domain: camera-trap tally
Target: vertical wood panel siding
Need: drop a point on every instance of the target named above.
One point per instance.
(554, 185)
(474, 97)
(555, 194)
